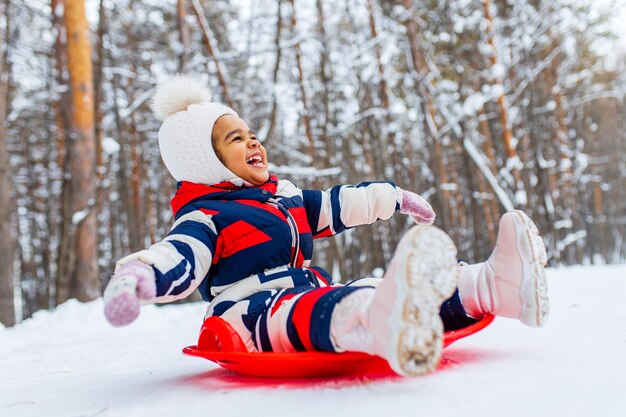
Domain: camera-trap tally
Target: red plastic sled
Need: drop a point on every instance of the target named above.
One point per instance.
(219, 343)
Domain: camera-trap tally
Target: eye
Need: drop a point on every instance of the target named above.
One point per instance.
(237, 138)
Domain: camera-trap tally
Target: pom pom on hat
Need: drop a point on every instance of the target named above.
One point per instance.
(177, 94)
(183, 105)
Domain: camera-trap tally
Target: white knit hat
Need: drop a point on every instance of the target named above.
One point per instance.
(183, 105)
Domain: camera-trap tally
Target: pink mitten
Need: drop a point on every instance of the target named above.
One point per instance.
(131, 283)
(417, 207)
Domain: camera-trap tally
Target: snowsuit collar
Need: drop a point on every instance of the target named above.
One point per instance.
(190, 191)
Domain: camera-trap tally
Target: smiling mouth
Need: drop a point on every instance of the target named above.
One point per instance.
(255, 161)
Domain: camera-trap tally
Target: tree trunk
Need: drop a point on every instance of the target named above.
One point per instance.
(303, 95)
(206, 36)
(103, 205)
(460, 218)
(269, 135)
(437, 162)
(387, 145)
(97, 90)
(85, 284)
(565, 153)
(63, 122)
(135, 209)
(183, 30)
(133, 178)
(512, 158)
(490, 208)
(7, 307)
(122, 174)
(325, 74)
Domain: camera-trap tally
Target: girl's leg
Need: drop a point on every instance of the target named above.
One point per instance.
(298, 319)
(452, 312)
(512, 282)
(397, 320)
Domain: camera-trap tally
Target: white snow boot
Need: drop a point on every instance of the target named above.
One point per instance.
(399, 320)
(512, 283)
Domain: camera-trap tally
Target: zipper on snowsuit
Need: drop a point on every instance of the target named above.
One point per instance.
(295, 239)
(295, 235)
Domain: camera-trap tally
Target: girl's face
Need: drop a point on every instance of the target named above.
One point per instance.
(239, 149)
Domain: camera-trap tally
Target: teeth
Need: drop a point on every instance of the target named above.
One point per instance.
(255, 158)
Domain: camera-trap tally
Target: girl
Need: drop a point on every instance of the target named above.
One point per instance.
(245, 240)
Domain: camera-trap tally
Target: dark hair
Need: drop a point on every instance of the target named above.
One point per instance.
(217, 152)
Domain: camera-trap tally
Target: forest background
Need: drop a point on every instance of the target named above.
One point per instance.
(481, 106)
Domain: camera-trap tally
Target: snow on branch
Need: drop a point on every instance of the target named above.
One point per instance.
(342, 127)
(570, 238)
(293, 153)
(304, 171)
(481, 162)
(618, 95)
(534, 74)
(139, 101)
(79, 216)
(110, 146)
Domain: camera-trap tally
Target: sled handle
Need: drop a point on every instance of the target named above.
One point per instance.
(216, 335)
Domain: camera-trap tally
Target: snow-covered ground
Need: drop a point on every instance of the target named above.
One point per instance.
(70, 362)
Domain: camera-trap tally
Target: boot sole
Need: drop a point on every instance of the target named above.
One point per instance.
(534, 290)
(426, 278)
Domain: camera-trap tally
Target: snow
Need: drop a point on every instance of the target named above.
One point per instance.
(473, 103)
(459, 24)
(498, 71)
(110, 146)
(303, 171)
(521, 198)
(497, 90)
(444, 37)
(70, 362)
(551, 105)
(571, 238)
(79, 216)
(481, 162)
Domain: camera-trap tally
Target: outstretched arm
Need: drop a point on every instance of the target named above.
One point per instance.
(341, 207)
(167, 271)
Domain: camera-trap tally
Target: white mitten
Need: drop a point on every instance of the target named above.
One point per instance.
(416, 206)
(131, 283)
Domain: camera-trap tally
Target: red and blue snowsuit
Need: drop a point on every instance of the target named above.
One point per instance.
(248, 251)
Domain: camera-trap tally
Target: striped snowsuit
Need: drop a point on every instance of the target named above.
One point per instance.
(248, 251)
